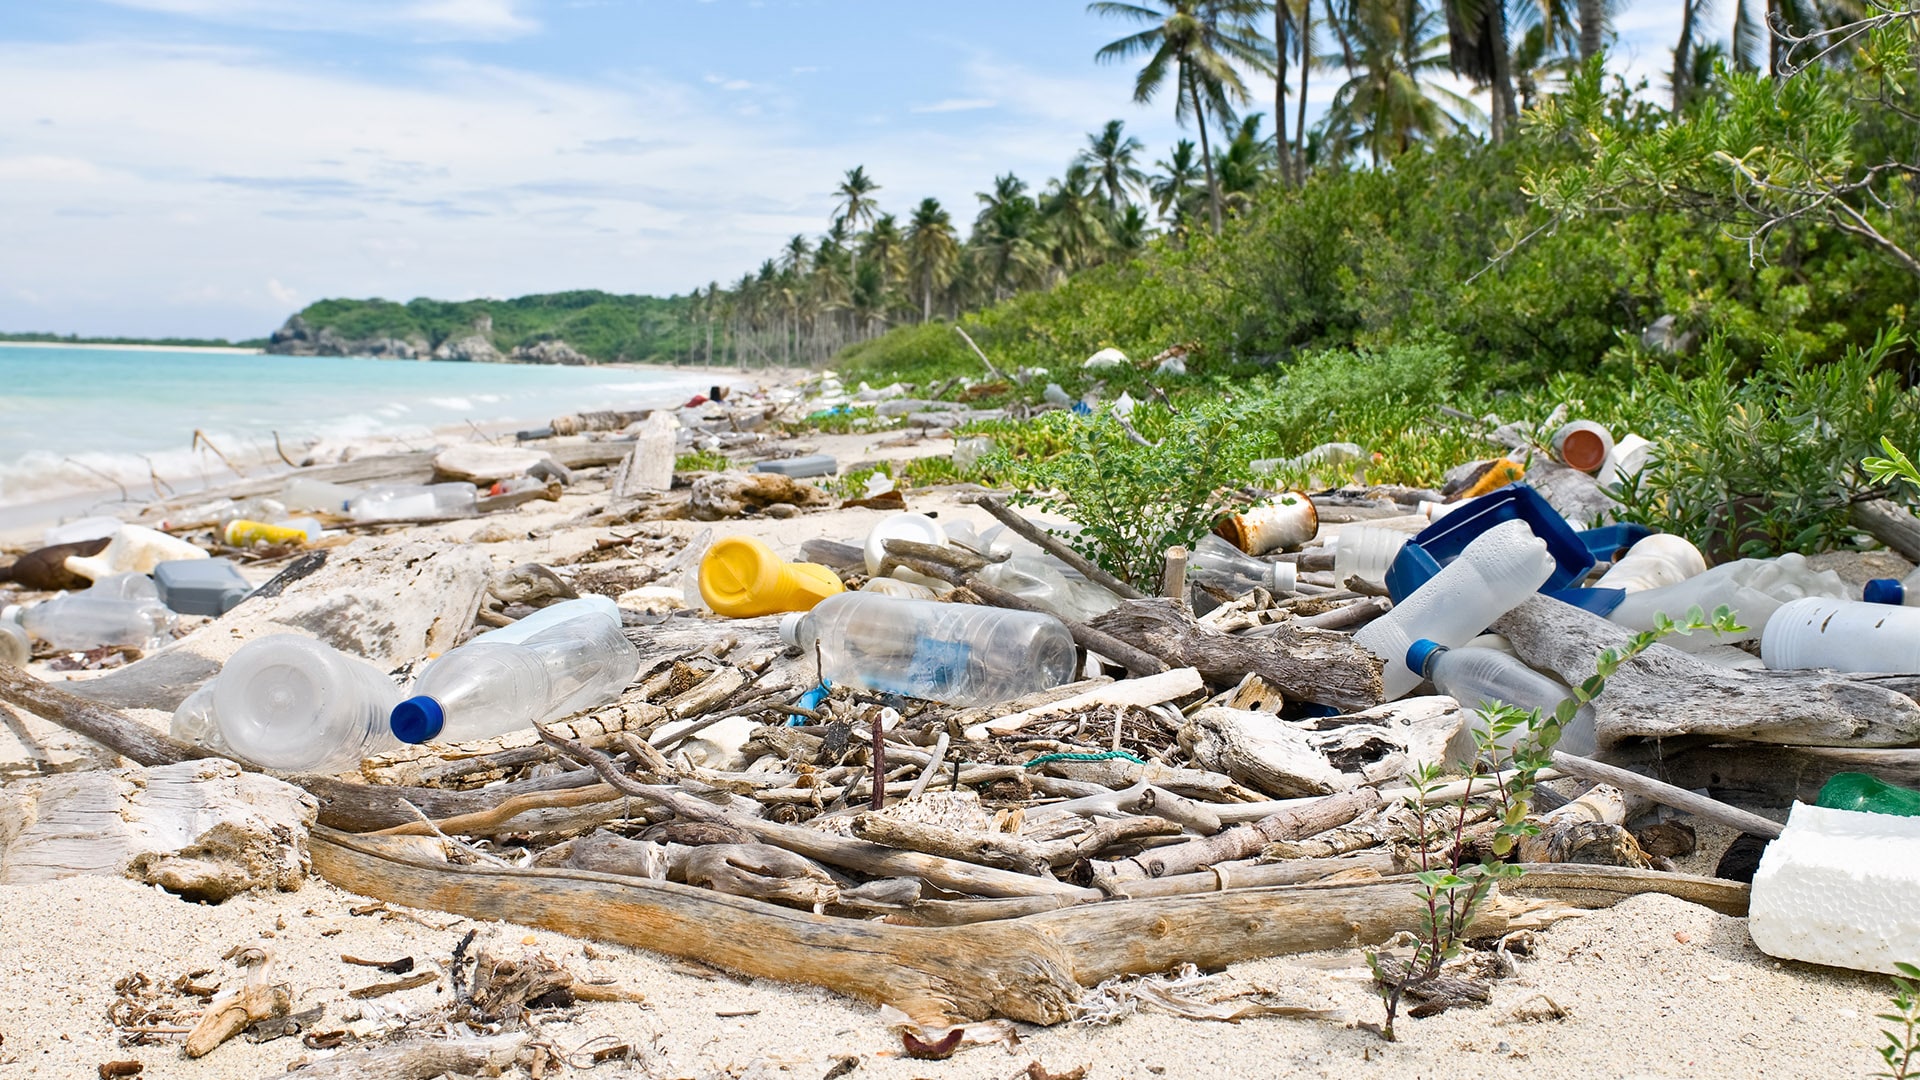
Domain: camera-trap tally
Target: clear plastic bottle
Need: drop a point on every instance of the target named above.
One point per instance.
(1366, 552)
(1655, 562)
(553, 615)
(194, 722)
(1904, 592)
(304, 493)
(1216, 563)
(489, 688)
(958, 654)
(1043, 582)
(16, 648)
(1497, 571)
(1471, 676)
(1753, 588)
(406, 502)
(1845, 635)
(295, 704)
(123, 609)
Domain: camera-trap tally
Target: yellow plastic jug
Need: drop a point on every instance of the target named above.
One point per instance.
(742, 577)
(1504, 471)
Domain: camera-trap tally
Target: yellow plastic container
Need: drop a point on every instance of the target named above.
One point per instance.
(742, 578)
(244, 533)
(1504, 472)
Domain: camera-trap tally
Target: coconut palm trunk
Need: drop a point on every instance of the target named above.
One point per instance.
(1282, 18)
(1200, 121)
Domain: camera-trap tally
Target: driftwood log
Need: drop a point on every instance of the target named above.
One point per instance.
(1311, 665)
(1289, 759)
(1029, 968)
(1780, 775)
(419, 1060)
(1890, 524)
(1665, 692)
(1241, 841)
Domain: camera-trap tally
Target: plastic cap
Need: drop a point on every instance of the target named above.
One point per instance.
(1286, 579)
(417, 719)
(1420, 652)
(1884, 591)
(11, 613)
(790, 628)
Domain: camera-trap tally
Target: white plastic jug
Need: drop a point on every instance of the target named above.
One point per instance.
(135, 549)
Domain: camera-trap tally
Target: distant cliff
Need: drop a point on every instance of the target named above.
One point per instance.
(584, 327)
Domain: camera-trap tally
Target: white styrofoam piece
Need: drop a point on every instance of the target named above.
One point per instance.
(1842, 888)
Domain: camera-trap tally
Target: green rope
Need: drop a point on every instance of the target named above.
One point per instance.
(1104, 755)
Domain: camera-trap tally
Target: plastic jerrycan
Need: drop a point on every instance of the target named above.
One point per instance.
(741, 578)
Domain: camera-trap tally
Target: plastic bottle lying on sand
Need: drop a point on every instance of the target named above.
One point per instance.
(958, 654)
(134, 549)
(194, 722)
(488, 688)
(1041, 581)
(1655, 562)
(1837, 888)
(241, 532)
(1472, 676)
(16, 648)
(1902, 591)
(1753, 588)
(406, 502)
(1216, 563)
(303, 493)
(121, 610)
(1845, 635)
(292, 703)
(1499, 570)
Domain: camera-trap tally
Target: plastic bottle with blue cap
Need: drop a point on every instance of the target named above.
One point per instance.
(1473, 676)
(292, 703)
(488, 688)
(1902, 592)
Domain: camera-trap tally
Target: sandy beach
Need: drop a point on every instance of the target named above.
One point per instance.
(1654, 987)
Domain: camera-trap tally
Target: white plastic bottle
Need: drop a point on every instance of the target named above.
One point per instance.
(489, 688)
(1366, 552)
(1903, 591)
(305, 493)
(1845, 635)
(959, 654)
(1472, 676)
(1495, 574)
(298, 705)
(1753, 588)
(407, 502)
(1655, 562)
(1216, 563)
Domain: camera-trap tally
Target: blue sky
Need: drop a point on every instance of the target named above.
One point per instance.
(205, 167)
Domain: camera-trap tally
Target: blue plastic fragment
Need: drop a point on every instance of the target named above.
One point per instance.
(809, 700)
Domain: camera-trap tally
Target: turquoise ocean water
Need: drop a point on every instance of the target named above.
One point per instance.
(68, 415)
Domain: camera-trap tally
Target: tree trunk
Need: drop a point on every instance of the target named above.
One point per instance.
(1300, 117)
(1200, 118)
(1683, 54)
(1282, 20)
(1593, 19)
(1503, 110)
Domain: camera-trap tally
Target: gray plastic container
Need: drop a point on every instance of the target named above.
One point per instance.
(811, 465)
(200, 586)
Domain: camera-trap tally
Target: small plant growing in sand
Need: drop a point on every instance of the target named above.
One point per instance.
(1451, 889)
(1903, 1041)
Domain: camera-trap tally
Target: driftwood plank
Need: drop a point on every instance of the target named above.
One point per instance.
(1665, 692)
(1029, 968)
(1311, 665)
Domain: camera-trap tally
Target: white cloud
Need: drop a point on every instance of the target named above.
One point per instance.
(281, 294)
(955, 105)
(434, 20)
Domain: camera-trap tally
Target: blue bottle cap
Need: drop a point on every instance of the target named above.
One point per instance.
(1884, 591)
(417, 720)
(1419, 653)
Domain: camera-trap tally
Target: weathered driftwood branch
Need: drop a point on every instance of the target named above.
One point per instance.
(1666, 794)
(1029, 968)
(1780, 775)
(1241, 841)
(1890, 524)
(1313, 665)
(1053, 546)
(102, 724)
(1150, 690)
(1605, 886)
(1664, 692)
(420, 1059)
(1002, 850)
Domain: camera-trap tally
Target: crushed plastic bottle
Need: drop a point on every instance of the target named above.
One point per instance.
(121, 610)
(135, 549)
(1655, 562)
(488, 688)
(1472, 676)
(1845, 635)
(1218, 564)
(408, 502)
(298, 705)
(1837, 888)
(959, 654)
(1753, 588)
(1498, 571)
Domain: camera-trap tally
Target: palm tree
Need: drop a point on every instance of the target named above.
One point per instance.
(1392, 99)
(932, 251)
(1176, 188)
(1200, 41)
(1477, 42)
(1130, 231)
(1536, 62)
(1074, 220)
(1111, 154)
(1006, 237)
(856, 205)
(1292, 36)
(1594, 18)
(886, 250)
(1238, 166)
(794, 256)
